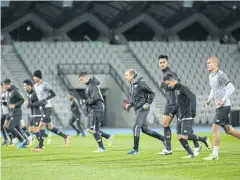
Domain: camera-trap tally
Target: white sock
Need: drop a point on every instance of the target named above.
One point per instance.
(215, 150)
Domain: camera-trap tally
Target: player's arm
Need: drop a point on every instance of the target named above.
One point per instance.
(94, 95)
(228, 86)
(76, 105)
(147, 89)
(33, 102)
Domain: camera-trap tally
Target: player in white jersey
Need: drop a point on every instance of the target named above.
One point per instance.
(44, 93)
(221, 90)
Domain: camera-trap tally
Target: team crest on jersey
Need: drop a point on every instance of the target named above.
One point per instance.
(135, 85)
(178, 92)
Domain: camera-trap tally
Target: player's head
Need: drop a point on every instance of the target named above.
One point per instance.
(27, 85)
(2, 88)
(37, 76)
(130, 74)
(83, 77)
(170, 80)
(213, 64)
(70, 95)
(7, 84)
(163, 61)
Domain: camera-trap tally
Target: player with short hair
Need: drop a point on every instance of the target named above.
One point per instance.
(44, 93)
(221, 90)
(141, 97)
(186, 103)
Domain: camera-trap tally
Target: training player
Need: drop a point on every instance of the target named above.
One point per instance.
(170, 108)
(12, 122)
(95, 108)
(221, 90)
(186, 102)
(44, 93)
(141, 97)
(76, 114)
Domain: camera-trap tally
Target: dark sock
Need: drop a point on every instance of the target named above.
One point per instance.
(41, 138)
(58, 132)
(74, 127)
(136, 142)
(80, 128)
(186, 146)
(4, 134)
(26, 131)
(105, 135)
(38, 136)
(98, 139)
(195, 137)
(196, 144)
(17, 134)
(168, 136)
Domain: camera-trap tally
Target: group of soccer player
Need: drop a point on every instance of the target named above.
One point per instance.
(181, 102)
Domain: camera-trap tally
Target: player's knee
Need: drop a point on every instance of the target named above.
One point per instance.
(228, 129)
(179, 136)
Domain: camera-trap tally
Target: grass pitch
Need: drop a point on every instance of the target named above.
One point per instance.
(79, 162)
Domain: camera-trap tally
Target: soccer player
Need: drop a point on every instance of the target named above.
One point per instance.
(186, 102)
(76, 114)
(44, 93)
(95, 108)
(141, 97)
(12, 122)
(221, 90)
(170, 108)
(4, 113)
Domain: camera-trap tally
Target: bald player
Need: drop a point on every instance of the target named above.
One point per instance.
(221, 90)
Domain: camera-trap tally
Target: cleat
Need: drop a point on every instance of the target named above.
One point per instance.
(197, 151)
(188, 156)
(5, 143)
(99, 150)
(133, 152)
(67, 140)
(110, 139)
(211, 158)
(37, 149)
(21, 145)
(165, 152)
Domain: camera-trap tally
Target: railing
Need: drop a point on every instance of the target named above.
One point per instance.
(101, 68)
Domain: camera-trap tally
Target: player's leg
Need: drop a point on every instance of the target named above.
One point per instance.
(25, 130)
(231, 131)
(3, 130)
(71, 123)
(95, 119)
(181, 129)
(108, 137)
(79, 126)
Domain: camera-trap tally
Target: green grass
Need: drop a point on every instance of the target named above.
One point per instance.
(79, 162)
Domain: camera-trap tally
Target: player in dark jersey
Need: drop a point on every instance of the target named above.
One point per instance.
(186, 103)
(76, 114)
(170, 108)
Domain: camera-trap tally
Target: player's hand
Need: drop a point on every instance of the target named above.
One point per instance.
(160, 84)
(26, 102)
(5, 125)
(84, 101)
(127, 107)
(11, 106)
(207, 103)
(146, 106)
(42, 102)
(220, 102)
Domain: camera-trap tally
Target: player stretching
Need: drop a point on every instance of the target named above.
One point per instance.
(221, 90)
(44, 94)
(186, 102)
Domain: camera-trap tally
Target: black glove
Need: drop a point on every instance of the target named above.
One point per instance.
(42, 102)
(4, 103)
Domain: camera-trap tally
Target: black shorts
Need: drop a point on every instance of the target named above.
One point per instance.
(14, 121)
(170, 110)
(34, 121)
(222, 116)
(184, 127)
(47, 112)
(95, 120)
